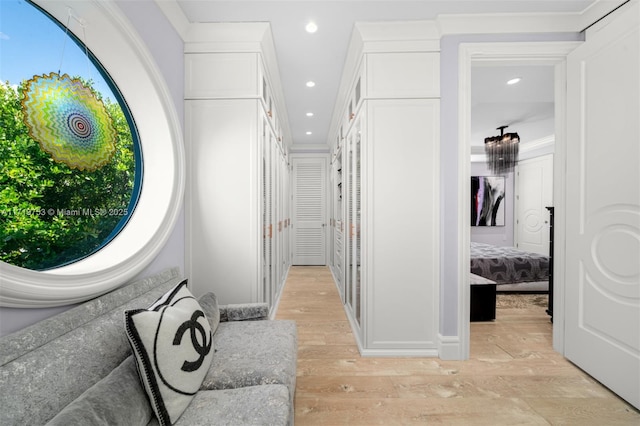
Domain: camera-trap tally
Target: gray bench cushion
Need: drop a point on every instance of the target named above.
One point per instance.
(26, 340)
(244, 312)
(252, 406)
(118, 399)
(50, 365)
(64, 356)
(251, 353)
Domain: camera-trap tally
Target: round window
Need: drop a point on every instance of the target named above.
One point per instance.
(70, 157)
(76, 217)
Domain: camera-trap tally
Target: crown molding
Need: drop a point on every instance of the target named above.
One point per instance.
(172, 10)
(540, 143)
(231, 37)
(448, 24)
(598, 10)
(246, 36)
(505, 23)
(237, 33)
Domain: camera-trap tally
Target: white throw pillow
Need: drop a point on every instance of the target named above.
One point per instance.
(173, 347)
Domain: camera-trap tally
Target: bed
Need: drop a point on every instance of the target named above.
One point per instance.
(510, 268)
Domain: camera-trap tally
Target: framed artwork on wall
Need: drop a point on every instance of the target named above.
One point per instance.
(487, 201)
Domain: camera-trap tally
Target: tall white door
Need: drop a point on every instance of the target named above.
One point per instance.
(534, 192)
(602, 271)
(309, 211)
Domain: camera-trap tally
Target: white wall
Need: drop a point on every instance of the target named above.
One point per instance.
(166, 47)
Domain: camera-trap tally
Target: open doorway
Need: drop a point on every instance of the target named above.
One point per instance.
(585, 211)
(511, 248)
(504, 55)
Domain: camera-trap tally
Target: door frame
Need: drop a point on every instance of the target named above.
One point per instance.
(327, 207)
(507, 53)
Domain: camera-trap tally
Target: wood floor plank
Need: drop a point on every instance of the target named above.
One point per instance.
(513, 375)
(327, 351)
(609, 411)
(409, 411)
(348, 386)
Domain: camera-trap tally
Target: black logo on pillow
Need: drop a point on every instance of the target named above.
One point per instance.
(198, 340)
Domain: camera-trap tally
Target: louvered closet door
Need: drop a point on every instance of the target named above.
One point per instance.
(309, 211)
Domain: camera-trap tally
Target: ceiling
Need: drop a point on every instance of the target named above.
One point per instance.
(320, 56)
(527, 107)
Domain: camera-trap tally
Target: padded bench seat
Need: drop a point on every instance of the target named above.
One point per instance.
(254, 405)
(263, 353)
(483, 298)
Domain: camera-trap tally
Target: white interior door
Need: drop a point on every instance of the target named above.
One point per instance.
(534, 192)
(309, 211)
(602, 271)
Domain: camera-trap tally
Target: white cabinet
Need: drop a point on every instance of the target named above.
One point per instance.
(386, 136)
(352, 220)
(275, 206)
(336, 241)
(237, 202)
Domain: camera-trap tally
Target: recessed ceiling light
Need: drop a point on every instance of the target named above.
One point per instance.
(311, 27)
(514, 81)
(309, 114)
(310, 83)
(309, 133)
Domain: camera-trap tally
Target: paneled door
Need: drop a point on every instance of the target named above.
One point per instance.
(534, 192)
(309, 210)
(602, 271)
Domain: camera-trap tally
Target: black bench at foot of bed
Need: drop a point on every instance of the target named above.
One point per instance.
(483, 299)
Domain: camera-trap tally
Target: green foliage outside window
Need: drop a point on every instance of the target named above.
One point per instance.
(50, 214)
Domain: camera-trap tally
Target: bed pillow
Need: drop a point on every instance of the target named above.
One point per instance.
(173, 348)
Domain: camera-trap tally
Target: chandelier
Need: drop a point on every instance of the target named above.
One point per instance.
(502, 151)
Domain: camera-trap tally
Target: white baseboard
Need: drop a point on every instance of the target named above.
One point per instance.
(449, 348)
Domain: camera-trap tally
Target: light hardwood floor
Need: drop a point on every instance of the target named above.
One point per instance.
(512, 377)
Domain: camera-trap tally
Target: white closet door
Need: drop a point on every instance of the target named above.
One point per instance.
(602, 275)
(534, 193)
(309, 211)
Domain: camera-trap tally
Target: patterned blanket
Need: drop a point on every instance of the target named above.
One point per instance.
(506, 265)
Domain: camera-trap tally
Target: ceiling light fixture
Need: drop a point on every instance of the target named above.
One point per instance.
(311, 27)
(309, 133)
(514, 81)
(502, 151)
(310, 84)
(309, 114)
